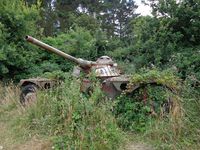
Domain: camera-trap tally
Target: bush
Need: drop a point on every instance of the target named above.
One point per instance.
(178, 129)
(154, 99)
(16, 20)
(180, 132)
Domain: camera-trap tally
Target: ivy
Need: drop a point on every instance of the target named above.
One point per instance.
(155, 97)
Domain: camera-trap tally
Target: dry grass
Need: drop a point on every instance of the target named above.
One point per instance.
(9, 94)
(13, 136)
(37, 127)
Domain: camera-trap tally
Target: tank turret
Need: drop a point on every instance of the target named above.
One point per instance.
(103, 66)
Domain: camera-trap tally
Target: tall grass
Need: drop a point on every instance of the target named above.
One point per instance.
(74, 120)
(180, 130)
(10, 109)
(9, 98)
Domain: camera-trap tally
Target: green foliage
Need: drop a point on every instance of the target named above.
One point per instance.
(169, 39)
(87, 22)
(187, 62)
(179, 132)
(78, 42)
(59, 16)
(176, 129)
(153, 42)
(182, 17)
(154, 99)
(165, 78)
(73, 120)
(16, 21)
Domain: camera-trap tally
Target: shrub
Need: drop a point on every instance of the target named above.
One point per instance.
(177, 129)
(154, 99)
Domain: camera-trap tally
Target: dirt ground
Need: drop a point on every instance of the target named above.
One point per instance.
(138, 146)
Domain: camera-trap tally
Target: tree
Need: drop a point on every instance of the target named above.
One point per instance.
(169, 38)
(183, 18)
(115, 15)
(16, 20)
(87, 22)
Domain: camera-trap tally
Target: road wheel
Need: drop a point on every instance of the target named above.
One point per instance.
(28, 94)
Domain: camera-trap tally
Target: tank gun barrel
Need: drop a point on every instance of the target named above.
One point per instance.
(82, 63)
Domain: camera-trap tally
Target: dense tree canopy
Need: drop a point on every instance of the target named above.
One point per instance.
(88, 29)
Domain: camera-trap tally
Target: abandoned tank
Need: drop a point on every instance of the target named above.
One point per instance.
(113, 82)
